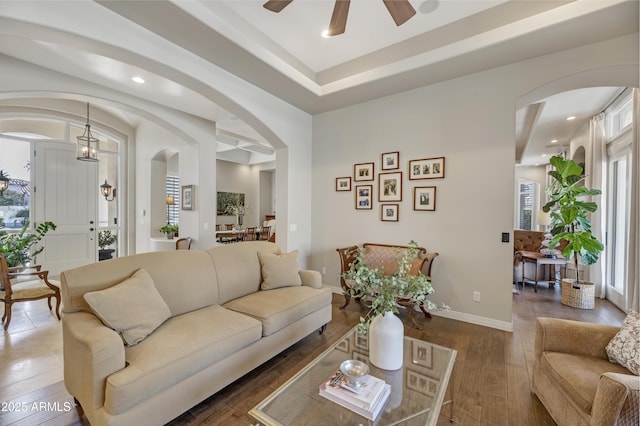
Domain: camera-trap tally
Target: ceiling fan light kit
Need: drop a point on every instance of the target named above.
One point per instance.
(400, 10)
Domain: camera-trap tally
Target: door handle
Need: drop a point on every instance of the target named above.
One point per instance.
(91, 229)
(90, 222)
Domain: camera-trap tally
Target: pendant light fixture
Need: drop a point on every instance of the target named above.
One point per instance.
(87, 148)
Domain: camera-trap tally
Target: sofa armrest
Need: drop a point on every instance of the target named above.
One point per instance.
(311, 278)
(573, 337)
(617, 399)
(92, 352)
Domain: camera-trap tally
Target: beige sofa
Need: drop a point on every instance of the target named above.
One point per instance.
(573, 378)
(221, 326)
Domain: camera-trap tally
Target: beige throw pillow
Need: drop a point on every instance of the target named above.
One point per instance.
(133, 307)
(279, 270)
(624, 348)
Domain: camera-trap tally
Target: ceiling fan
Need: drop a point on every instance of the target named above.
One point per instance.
(401, 11)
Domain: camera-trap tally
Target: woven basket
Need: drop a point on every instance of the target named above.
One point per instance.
(576, 295)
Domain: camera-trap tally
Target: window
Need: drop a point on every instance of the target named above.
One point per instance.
(15, 201)
(619, 116)
(173, 190)
(526, 193)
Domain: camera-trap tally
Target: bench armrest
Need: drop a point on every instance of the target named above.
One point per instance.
(92, 352)
(311, 278)
(572, 337)
(617, 398)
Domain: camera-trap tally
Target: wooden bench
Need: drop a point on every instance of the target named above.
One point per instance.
(386, 257)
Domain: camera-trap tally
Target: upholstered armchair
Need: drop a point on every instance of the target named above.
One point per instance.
(574, 379)
(525, 241)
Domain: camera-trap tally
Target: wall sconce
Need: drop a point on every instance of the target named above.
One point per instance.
(105, 189)
(170, 202)
(87, 147)
(4, 182)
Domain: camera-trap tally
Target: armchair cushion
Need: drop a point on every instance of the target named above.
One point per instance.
(279, 270)
(624, 348)
(133, 307)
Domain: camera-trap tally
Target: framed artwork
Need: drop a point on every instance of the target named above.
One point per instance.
(343, 346)
(390, 186)
(363, 172)
(390, 160)
(229, 203)
(421, 383)
(421, 354)
(362, 342)
(426, 168)
(389, 212)
(364, 197)
(424, 198)
(343, 183)
(187, 197)
(359, 356)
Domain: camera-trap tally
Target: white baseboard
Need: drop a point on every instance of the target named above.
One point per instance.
(462, 316)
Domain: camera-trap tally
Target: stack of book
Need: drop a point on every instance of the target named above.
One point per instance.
(367, 399)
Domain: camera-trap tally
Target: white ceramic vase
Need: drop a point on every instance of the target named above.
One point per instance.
(386, 341)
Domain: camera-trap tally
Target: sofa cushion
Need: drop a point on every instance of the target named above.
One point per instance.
(279, 270)
(624, 348)
(578, 375)
(238, 268)
(181, 347)
(280, 307)
(133, 308)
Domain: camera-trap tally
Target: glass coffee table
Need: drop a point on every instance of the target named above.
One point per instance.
(418, 389)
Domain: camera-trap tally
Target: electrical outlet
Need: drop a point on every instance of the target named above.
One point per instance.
(324, 270)
(476, 296)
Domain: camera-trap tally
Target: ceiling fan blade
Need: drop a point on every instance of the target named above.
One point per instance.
(276, 5)
(401, 10)
(339, 18)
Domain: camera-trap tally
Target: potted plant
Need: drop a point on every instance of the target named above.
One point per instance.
(382, 291)
(570, 222)
(19, 248)
(105, 239)
(169, 230)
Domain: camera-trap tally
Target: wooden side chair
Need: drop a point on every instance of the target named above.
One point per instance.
(228, 226)
(265, 233)
(347, 257)
(250, 234)
(184, 243)
(30, 283)
(218, 227)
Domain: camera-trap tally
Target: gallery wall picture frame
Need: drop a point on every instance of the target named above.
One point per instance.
(390, 186)
(343, 183)
(343, 345)
(389, 212)
(390, 160)
(426, 168)
(421, 383)
(363, 172)
(422, 354)
(187, 196)
(362, 342)
(364, 197)
(424, 198)
(359, 356)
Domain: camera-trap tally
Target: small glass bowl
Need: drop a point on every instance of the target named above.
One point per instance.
(355, 371)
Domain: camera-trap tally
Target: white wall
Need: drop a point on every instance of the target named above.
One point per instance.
(471, 122)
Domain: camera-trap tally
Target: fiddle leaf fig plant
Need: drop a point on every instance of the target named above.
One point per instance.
(570, 213)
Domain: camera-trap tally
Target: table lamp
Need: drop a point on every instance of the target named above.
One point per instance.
(544, 220)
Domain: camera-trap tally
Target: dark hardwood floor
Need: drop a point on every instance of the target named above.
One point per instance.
(491, 380)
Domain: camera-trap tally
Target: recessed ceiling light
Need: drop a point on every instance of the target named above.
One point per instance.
(573, 117)
(544, 155)
(138, 79)
(554, 141)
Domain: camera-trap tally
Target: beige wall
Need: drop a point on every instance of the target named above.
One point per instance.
(471, 122)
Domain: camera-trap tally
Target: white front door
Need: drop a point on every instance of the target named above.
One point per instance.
(65, 193)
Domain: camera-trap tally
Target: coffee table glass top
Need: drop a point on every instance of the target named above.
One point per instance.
(417, 389)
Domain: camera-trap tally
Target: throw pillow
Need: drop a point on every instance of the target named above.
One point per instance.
(279, 270)
(624, 348)
(133, 307)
